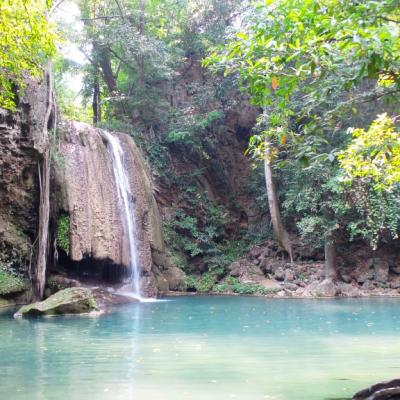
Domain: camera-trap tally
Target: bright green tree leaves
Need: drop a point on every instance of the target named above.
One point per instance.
(313, 48)
(26, 42)
(374, 153)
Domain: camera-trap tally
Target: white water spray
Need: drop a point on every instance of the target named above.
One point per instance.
(126, 206)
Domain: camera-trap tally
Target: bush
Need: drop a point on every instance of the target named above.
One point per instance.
(220, 288)
(10, 281)
(191, 282)
(63, 233)
(245, 288)
(207, 282)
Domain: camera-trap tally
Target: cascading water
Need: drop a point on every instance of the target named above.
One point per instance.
(126, 206)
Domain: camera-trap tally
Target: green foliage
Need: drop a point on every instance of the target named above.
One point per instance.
(26, 43)
(304, 62)
(63, 232)
(207, 281)
(307, 64)
(67, 102)
(282, 46)
(378, 212)
(245, 288)
(191, 282)
(199, 228)
(232, 284)
(220, 288)
(324, 208)
(374, 153)
(10, 280)
(187, 129)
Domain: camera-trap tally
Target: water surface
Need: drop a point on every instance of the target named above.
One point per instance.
(212, 348)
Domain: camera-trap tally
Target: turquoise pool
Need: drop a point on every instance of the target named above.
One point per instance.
(204, 348)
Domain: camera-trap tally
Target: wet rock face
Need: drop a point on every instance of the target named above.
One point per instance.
(88, 193)
(22, 144)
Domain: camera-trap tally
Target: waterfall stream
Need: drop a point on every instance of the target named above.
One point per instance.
(126, 207)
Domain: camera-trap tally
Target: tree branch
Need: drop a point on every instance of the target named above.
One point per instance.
(55, 6)
(121, 59)
(116, 73)
(120, 9)
(389, 19)
(377, 96)
(102, 17)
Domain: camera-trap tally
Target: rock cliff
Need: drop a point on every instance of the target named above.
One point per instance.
(23, 144)
(88, 194)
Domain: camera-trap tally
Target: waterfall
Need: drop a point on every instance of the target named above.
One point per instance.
(126, 207)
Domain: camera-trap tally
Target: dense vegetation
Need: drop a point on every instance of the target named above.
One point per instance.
(314, 67)
(325, 75)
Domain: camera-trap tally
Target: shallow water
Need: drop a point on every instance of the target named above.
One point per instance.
(204, 348)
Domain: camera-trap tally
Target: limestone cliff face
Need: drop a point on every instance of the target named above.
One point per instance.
(22, 144)
(89, 195)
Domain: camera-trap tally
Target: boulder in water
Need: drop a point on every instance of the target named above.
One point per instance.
(389, 390)
(76, 300)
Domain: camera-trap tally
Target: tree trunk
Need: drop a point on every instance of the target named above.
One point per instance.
(330, 260)
(280, 233)
(96, 101)
(102, 56)
(38, 273)
(140, 60)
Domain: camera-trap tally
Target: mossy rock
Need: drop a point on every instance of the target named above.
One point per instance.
(75, 300)
(10, 283)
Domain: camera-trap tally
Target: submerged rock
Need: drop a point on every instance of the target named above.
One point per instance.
(76, 300)
(389, 390)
